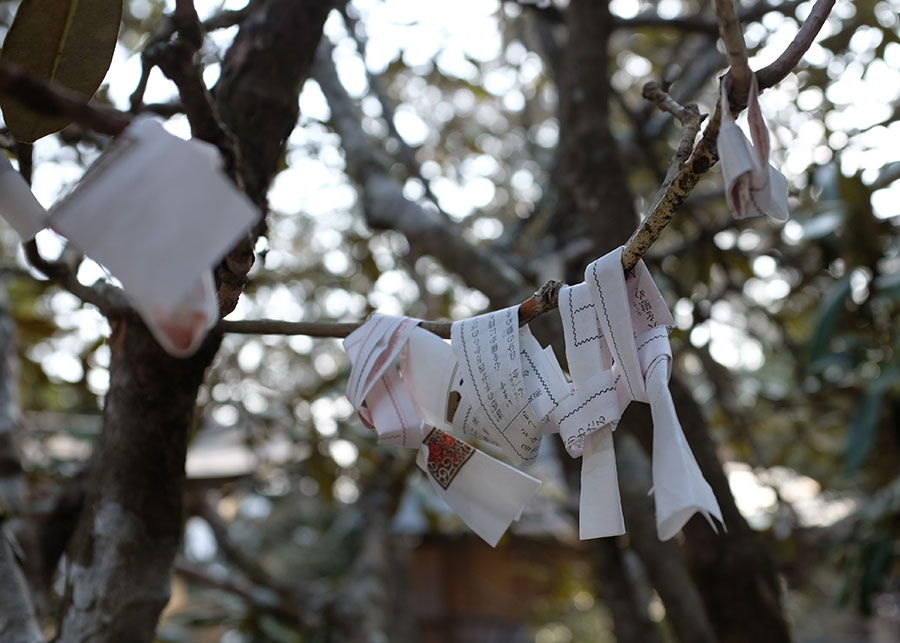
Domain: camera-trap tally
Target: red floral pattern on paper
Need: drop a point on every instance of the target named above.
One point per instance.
(446, 456)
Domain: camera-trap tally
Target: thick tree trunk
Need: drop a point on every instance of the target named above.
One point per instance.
(121, 558)
(17, 618)
(734, 572)
(129, 531)
(593, 199)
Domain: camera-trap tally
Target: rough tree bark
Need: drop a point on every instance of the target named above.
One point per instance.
(733, 571)
(17, 618)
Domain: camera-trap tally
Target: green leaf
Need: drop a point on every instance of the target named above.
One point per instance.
(70, 42)
(864, 425)
(826, 323)
(863, 429)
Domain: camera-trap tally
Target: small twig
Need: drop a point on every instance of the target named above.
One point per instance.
(256, 597)
(177, 60)
(690, 118)
(544, 300)
(110, 300)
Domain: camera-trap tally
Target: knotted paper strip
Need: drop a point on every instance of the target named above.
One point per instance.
(587, 418)
(752, 186)
(625, 325)
(17, 203)
(158, 213)
(487, 494)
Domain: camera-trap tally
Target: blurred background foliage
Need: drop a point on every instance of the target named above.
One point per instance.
(787, 335)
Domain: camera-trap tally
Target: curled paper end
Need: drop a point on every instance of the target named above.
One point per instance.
(667, 529)
(182, 329)
(680, 490)
(17, 203)
(752, 186)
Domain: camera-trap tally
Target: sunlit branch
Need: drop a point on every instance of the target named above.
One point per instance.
(773, 74)
(690, 118)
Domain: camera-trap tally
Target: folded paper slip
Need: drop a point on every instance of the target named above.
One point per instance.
(486, 493)
(616, 333)
(505, 394)
(752, 186)
(17, 203)
(157, 212)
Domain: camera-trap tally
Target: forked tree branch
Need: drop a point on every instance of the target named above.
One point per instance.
(52, 99)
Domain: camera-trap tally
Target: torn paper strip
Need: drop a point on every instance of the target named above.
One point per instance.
(17, 203)
(752, 186)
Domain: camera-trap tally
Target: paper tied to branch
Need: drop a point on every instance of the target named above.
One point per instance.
(399, 384)
(616, 333)
(158, 213)
(507, 383)
(17, 203)
(752, 186)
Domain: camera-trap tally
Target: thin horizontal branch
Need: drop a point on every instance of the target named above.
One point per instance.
(53, 99)
(703, 24)
(687, 24)
(544, 300)
(259, 598)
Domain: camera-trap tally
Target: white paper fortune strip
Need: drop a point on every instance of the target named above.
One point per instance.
(497, 405)
(487, 494)
(618, 350)
(181, 329)
(17, 204)
(158, 213)
(587, 418)
(752, 186)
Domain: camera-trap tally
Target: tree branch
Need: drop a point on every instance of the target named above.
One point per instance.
(52, 99)
(702, 24)
(387, 208)
(257, 597)
(733, 38)
(774, 73)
